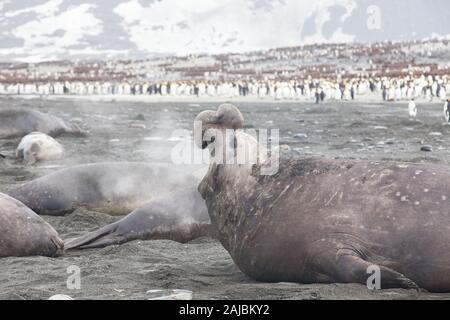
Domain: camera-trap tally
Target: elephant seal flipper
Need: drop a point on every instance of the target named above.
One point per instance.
(109, 235)
(102, 237)
(180, 216)
(351, 267)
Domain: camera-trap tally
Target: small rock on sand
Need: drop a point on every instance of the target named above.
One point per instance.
(300, 136)
(138, 126)
(426, 148)
(380, 128)
(60, 297)
(176, 294)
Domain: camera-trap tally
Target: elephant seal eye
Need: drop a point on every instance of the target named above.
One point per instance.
(206, 143)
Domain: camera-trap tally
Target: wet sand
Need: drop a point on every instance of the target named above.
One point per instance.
(356, 130)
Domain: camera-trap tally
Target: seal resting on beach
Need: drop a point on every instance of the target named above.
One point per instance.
(16, 123)
(179, 216)
(319, 220)
(24, 233)
(114, 188)
(38, 146)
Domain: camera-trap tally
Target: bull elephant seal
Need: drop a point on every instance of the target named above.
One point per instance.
(179, 216)
(38, 146)
(16, 123)
(24, 233)
(115, 188)
(327, 220)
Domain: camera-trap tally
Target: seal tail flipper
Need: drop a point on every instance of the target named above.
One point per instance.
(347, 266)
(353, 268)
(95, 239)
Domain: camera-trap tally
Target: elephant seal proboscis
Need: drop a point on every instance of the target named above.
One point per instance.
(319, 220)
(115, 188)
(24, 233)
(37, 146)
(179, 216)
(16, 123)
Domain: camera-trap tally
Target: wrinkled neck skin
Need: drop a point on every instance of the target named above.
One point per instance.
(228, 187)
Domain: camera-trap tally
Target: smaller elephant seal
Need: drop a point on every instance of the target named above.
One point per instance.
(115, 188)
(180, 216)
(24, 233)
(16, 123)
(38, 146)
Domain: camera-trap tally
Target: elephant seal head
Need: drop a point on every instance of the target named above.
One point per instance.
(227, 116)
(234, 152)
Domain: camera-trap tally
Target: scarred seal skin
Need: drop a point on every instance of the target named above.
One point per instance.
(320, 220)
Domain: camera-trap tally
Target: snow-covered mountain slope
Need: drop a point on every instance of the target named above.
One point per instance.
(35, 30)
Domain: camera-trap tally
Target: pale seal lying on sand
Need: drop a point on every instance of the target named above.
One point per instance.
(38, 146)
(320, 220)
(24, 233)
